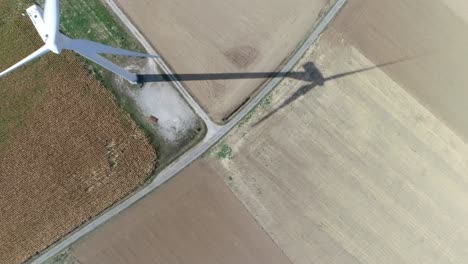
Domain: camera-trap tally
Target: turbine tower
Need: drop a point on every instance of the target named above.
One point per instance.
(47, 23)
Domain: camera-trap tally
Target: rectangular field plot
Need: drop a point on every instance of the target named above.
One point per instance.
(351, 169)
(67, 151)
(209, 37)
(194, 218)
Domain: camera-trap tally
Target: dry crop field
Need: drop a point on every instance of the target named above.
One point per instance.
(432, 34)
(194, 218)
(353, 171)
(235, 36)
(358, 170)
(67, 151)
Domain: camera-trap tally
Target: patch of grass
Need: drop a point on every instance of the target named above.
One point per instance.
(225, 152)
(65, 257)
(247, 118)
(90, 19)
(266, 102)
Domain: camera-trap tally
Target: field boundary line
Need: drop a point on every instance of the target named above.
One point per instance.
(214, 133)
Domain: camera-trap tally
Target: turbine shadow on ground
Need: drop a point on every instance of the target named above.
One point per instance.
(311, 74)
(317, 79)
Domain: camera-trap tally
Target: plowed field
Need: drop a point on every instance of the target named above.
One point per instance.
(67, 151)
(214, 40)
(193, 219)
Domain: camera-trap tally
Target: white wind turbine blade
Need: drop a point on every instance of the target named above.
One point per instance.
(52, 19)
(131, 77)
(38, 53)
(84, 45)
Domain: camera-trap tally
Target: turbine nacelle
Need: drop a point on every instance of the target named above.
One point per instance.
(54, 47)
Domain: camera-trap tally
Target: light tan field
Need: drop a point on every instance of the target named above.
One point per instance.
(193, 219)
(355, 171)
(233, 36)
(434, 31)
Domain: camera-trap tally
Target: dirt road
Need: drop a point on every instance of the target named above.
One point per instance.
(354, 171)
(195, 218)
(432, 33)
(224, 37)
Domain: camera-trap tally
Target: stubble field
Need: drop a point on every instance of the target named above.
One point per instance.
(67, 151)
(432, 34)
(353, 171)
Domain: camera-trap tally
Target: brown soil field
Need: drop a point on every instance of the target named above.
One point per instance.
(235, 36)
(194, 218)
(353, 171)
(435, 33)
(67, 151)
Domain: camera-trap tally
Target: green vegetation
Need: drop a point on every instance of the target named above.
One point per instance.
(266, 102)
(80, 19)
(247, 117)
(225, 152)
(65, 257)
(91, 20)
(88, 19)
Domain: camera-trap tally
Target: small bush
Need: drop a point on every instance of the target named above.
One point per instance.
(225, 152)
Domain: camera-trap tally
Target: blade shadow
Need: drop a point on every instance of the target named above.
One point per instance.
(318, 80)
(310, 74)
(298, 94)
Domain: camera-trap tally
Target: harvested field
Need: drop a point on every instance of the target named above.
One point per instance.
(353, 171)
(433, 33)
(225, 37)
(67, 151)
(192, 219)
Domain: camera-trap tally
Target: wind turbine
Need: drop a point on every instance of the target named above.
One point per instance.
(47, 23)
